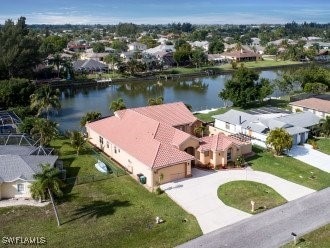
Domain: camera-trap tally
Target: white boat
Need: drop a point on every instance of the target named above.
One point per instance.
(100, 166)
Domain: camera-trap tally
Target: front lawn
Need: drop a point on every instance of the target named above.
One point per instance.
(324, 145)
(239, 194)
(117, 212)
(290, 169)
(319, 238)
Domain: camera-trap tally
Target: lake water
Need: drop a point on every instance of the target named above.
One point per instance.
(200, 93)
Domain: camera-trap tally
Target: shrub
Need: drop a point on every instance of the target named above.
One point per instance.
(313, 143)
(159, 191)
(240, 161)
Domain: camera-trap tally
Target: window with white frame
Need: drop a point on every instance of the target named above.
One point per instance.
(101, 140)
(20, 188)
(107, 144)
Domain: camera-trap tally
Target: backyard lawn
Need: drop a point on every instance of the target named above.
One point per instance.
(208, 117)
(290, 169)
(263, 63)
(324, 145)
(239, 194)
(117, 212)
(319, 238)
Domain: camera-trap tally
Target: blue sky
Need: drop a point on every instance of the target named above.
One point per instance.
(165, 11)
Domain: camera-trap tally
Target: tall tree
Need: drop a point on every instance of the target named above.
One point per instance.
(118, 104)
(44, 131)
(19, 50)
(77, 140)
(325, 126)
(47, 181)
(156, 101)
(45, 99)
(198, 57)
(90, 116)
(241, 88)
(216, 46)
(279, 140)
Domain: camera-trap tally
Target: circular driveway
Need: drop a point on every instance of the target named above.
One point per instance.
(198, 194)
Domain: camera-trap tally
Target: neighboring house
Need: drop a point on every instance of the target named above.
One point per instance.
(89, 65)
(217, 58)
(89, 54)
(18, 165)
(323, 56)
(129, 55)
(160, 48)
(241, 56)
(136, 46)
(255, 41)
(153, 141)
(165, 58)
(319, 107)
(9, 122)
(257, 126)
(217, 150)
(201, 44)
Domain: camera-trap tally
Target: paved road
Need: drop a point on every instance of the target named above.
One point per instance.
(271, 228)
(198, 195)
(311, 156)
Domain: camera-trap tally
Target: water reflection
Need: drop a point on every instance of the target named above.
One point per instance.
(200, 93)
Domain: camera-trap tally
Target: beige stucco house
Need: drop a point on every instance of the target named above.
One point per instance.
(319, 107)
(156, 142)
(152, 141)
(217, 150)
(17, 167)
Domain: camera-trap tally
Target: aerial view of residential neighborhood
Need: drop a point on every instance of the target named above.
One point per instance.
(165, 123)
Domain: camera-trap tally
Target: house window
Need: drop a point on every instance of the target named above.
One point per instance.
(229, 154)
(118, 150)
(227, 125)
(20, 188)
(207, 153)
(115, 149)
(107, 144)
(101, 140)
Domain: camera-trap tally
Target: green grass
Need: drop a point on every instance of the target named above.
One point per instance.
(117, 212)
(239, 194)
(208, 117)
(319, 238)
(263, 63)
(324, 145)
(290, 169)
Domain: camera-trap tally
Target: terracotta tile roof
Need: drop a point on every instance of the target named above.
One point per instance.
(152, 142)
(218, 142)
(314, 103)
(173, 114)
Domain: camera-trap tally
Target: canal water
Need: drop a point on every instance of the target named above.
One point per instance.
(200, 93)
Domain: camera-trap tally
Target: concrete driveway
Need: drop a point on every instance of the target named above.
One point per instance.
(198, 195)
(310, 156)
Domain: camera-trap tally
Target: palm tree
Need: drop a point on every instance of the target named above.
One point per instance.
(90, 116)
(199, 131)
(47, 181)
(57, 61)
(325, 126)
(45, 99)
(156, 101)
(44, 131)
(77, 140)
(118, 104)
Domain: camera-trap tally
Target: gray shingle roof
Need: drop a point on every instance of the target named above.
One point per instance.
(16, 163)
(293, 123)
(89, 65)
(301, 119)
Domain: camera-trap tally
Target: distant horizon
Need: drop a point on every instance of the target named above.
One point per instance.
(210, 12)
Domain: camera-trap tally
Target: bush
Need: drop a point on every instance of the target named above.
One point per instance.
(159, 191)
(240, 161)
(313, 143)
